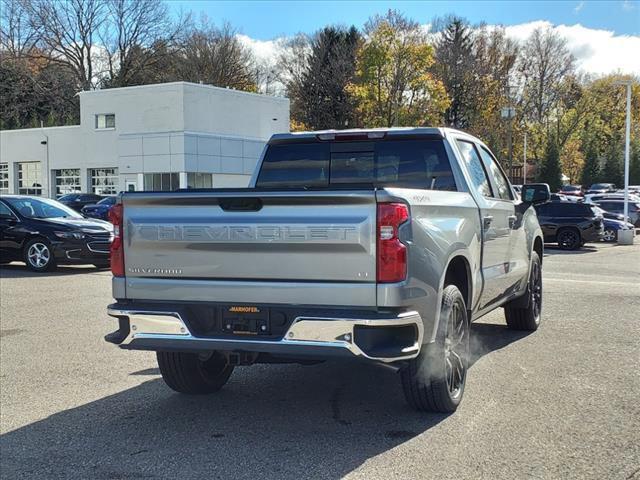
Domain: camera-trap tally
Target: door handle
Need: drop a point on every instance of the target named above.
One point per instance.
(486, 221)
(512, 220)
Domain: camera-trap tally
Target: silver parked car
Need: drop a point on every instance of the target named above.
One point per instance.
(379, 244)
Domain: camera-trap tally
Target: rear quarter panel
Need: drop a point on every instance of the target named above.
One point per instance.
(443, 225)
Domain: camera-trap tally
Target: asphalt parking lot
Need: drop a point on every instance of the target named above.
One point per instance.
(563, 402)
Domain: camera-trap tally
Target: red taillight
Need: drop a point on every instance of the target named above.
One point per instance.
(392, 254)
(116, 252)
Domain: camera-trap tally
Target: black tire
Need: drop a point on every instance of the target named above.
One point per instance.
(435, 380)
(524, 313)
(569, 239)
(193, 373)
(610, 235)
(38, 255)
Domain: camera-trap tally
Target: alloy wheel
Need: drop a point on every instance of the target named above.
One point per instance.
(609, 235)
(39, 255)
(536, 291)
(455, 351)
(568, 239)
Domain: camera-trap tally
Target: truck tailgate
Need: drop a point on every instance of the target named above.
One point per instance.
(251, 235)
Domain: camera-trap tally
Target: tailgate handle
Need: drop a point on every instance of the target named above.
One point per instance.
(241, 204)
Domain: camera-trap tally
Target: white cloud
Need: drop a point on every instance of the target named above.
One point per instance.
(578, 7)
(597, 52)
(264, 50)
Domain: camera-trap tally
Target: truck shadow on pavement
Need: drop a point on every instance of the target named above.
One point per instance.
(556, 250)
(274, 421)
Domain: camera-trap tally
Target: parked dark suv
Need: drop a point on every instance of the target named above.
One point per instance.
(569, 224)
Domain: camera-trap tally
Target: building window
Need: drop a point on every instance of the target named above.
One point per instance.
(104, 181)
(161, 182)
(199, 180)
(29, 178)
(4, 178)
(105, 120)
(67, 181)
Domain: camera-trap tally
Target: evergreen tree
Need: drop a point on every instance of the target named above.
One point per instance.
(613, 169)
(323, 99)
(550, 169)
(455, 66)
(591, 169)
(634, 164)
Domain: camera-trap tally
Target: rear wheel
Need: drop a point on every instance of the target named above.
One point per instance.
(38, 255)
(435, 380)
(524, 313)
(610, 235)
(194, 373)
(569, 239)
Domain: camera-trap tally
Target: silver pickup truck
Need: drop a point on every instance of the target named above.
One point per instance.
(379, 245)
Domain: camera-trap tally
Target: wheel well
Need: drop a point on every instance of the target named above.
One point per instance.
(458, 274)
(33, 236)
(538, 247)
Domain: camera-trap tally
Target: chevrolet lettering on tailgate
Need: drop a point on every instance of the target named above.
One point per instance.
(245, 233)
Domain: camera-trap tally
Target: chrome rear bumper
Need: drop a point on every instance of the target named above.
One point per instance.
(314, 336)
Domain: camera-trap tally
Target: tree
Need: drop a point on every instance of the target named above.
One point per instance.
(545, 62)
(572, 159)
(31, 93)
(217, 57)
(612, 171)
(591, 170)
(322, 98)
(292, 63)
(549, 171)
(18, 37)
(495, 59)
(69, 32)
(634, 164)
(455, 66)
(140, 34)
(393, 84)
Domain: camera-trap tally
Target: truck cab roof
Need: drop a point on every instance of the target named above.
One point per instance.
(362, 134)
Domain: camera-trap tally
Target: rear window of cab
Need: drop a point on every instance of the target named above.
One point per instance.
(419, 163)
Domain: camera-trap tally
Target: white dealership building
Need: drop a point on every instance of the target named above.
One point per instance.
(151, 137)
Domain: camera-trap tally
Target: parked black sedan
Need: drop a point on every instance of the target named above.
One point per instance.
(570, 224)
(44, 233)
(99, 210)
(79, 200)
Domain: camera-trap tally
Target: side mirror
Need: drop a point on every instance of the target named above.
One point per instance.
(535, 193)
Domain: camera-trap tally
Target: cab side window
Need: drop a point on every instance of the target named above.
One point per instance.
(5, 212)
(499, 179)
(476, 168)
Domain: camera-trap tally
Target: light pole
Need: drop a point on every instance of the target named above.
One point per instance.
(509, 113)
(524, 161)
(624, 237)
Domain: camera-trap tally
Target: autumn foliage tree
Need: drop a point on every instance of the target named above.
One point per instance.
(393, 84)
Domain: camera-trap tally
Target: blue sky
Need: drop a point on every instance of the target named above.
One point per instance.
(265, 20)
